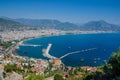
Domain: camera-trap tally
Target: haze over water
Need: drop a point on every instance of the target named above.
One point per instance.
(105, 43)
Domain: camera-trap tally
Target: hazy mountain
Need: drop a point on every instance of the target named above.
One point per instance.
(100, 25)
(6, 24)
(38, 22)
(67, 26)
(55, 24)
(4, 17)
(47, 23)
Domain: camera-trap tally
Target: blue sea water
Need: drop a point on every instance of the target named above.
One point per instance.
(105, 44)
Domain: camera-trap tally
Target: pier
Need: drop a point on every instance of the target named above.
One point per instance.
(22, 44)
(77, 52)
(46, 52)
(30, 45)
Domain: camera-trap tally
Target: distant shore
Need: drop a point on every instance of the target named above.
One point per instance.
(29, 34)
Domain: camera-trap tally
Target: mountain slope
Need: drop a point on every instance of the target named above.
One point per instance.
(48, 23)
(38, 22)
(100, 25)
(55, 24)
(9, 24)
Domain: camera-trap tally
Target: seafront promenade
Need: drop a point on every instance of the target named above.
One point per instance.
(26, 34)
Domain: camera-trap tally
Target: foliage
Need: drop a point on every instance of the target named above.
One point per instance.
(6, 44)
(94, 76)
(58, 77)
(33, 76)
(50, 66)
(115, 62)
(4, 74)
(110, 71)
(10, 68)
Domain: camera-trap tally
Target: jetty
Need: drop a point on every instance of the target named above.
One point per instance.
(22, 44)
(46, 52)
(30, 45)
(77, 52)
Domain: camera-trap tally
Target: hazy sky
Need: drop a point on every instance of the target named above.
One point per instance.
(77, 11)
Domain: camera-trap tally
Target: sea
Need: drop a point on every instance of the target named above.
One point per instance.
(105, 44)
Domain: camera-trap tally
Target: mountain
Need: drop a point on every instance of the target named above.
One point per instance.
(47, 23)
(67, 26)
(38, 22)
(6, 24)
(55, 24)
(100, 26)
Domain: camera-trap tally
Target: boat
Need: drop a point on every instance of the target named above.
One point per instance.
(82, 60)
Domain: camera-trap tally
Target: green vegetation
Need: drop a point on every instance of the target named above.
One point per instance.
(10, 68)
(58, 77)
(115, 62)
(6, 44)
(33, 76)
(110, 71)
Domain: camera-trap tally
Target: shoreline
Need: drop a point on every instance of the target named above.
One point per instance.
(29, 38)
(30, 34)
(74, 33)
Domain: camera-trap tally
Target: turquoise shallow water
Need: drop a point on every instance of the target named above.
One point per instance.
(105, 43)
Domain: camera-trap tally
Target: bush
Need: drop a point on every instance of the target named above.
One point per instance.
(58, 77)
(114, 61)
(33, 76)
(10, 68)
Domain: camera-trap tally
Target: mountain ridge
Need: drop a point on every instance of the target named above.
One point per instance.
(100, 25)
(6, 24)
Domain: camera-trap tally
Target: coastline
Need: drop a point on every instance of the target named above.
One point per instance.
(61, 33)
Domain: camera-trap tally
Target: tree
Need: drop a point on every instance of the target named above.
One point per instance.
(58, 77)
(70, 72)
(114, 61)
(75, 72)
(33, 76)
(10, 68)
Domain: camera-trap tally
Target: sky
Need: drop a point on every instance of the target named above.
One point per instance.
(76, 11)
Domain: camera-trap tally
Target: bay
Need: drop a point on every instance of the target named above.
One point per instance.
(105, 44)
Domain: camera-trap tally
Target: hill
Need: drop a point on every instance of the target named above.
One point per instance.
(47, 23)
(9, 24)
(100, 26)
